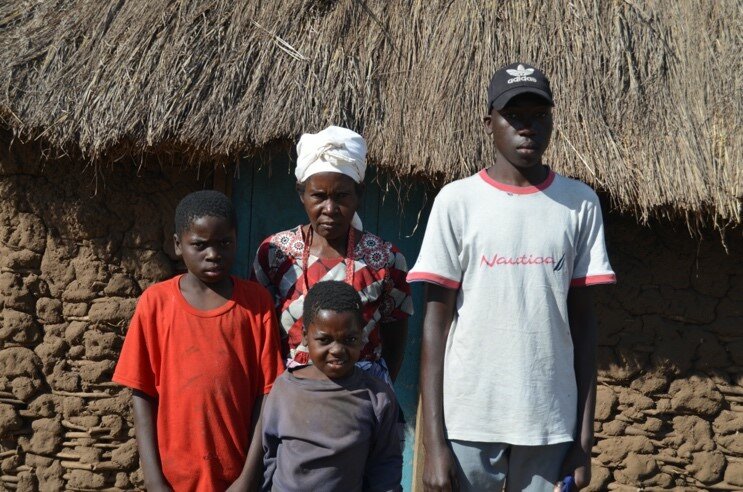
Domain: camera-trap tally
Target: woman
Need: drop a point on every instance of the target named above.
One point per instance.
(330, 172)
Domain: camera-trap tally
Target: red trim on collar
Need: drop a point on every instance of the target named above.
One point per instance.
(518, 190)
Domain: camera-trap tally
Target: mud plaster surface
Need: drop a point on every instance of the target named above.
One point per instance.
(73, 261)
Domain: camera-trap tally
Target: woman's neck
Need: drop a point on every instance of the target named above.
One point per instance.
(322, 247)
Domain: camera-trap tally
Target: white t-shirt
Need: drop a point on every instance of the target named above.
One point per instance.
(512, 253)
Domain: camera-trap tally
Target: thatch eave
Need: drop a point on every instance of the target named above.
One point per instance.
(649, 100)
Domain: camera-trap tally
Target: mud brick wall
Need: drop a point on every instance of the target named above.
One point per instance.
(670, 382)
(73, 261)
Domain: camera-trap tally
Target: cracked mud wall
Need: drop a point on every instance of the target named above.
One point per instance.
(72, 263)
(670, 382)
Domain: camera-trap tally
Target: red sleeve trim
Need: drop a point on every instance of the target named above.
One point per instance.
(609, 278)
(434, 279)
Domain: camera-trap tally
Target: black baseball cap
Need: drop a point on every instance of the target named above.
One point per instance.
(514, 79)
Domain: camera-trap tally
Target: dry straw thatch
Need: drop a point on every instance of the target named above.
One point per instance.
(649, 102)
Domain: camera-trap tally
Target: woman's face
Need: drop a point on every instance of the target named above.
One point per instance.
(330, 200)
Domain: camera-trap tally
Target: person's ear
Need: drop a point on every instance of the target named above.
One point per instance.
(487, 123)
(177, 244)
(305, 341)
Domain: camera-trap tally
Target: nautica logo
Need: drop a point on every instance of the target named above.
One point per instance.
(559, 264)
(496, 260)
(520, 74)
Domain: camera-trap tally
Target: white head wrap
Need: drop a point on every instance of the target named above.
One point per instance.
(334, 150)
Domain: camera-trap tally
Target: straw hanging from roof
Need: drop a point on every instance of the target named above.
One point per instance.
(649, 102)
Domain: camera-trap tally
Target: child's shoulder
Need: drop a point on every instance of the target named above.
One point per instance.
(160, 290)
(251, 290)
(380, 390)
(462, 185)
(575, 188)
(460, 192)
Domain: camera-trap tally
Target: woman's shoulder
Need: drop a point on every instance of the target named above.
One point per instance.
(289, 242)
(376, 252)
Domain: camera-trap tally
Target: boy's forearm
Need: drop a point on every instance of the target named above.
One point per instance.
(585, 374)
(583, 329)
(394, 336)
(145, 427)
(439, 313)
(251, 475)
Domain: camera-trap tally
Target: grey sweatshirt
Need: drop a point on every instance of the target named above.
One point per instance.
(328, 435)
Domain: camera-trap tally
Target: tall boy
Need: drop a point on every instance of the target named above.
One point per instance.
(201, 351)
(508, 357)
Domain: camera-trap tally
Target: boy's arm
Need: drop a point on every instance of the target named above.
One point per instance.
(394, 336)
(252, 474)
(145, 427)
(439, 472)
(583, 331)
(383, 470)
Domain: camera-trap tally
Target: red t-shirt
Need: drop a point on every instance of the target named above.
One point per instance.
(207, 368)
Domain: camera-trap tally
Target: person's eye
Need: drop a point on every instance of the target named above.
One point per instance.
(351, 339)
(198, 245)
(226, 242)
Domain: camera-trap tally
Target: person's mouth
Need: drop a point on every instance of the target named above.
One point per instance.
(336, 363)
(528, 148)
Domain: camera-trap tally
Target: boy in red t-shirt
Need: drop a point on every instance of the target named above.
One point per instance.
(201, 352)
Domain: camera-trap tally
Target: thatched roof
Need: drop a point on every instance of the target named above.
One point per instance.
(649, 100)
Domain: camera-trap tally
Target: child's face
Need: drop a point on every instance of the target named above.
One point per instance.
(207, 248)
(522, 130)
(334, 342)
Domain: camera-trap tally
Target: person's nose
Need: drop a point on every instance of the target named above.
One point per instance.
(526, 129)
(336, 349)
(213, 254)
(330, 206)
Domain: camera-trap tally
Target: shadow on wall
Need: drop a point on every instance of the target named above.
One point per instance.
(670, 360)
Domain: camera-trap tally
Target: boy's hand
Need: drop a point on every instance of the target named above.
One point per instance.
(577, 463)
(439, 470)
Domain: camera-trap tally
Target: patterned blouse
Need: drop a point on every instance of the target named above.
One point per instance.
(379, 278)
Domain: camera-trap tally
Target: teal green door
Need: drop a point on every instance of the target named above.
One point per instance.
(266, 202)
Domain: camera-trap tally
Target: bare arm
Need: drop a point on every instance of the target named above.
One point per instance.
(252, 474)
(583, 330)
(439, 473)
(145, 427)
(394, 337)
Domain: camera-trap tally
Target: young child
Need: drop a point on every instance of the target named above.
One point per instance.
(201, 351)
(509, 338)
(331, 426)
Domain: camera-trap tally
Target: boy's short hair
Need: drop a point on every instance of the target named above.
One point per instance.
(332, 295)
(202, 204)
